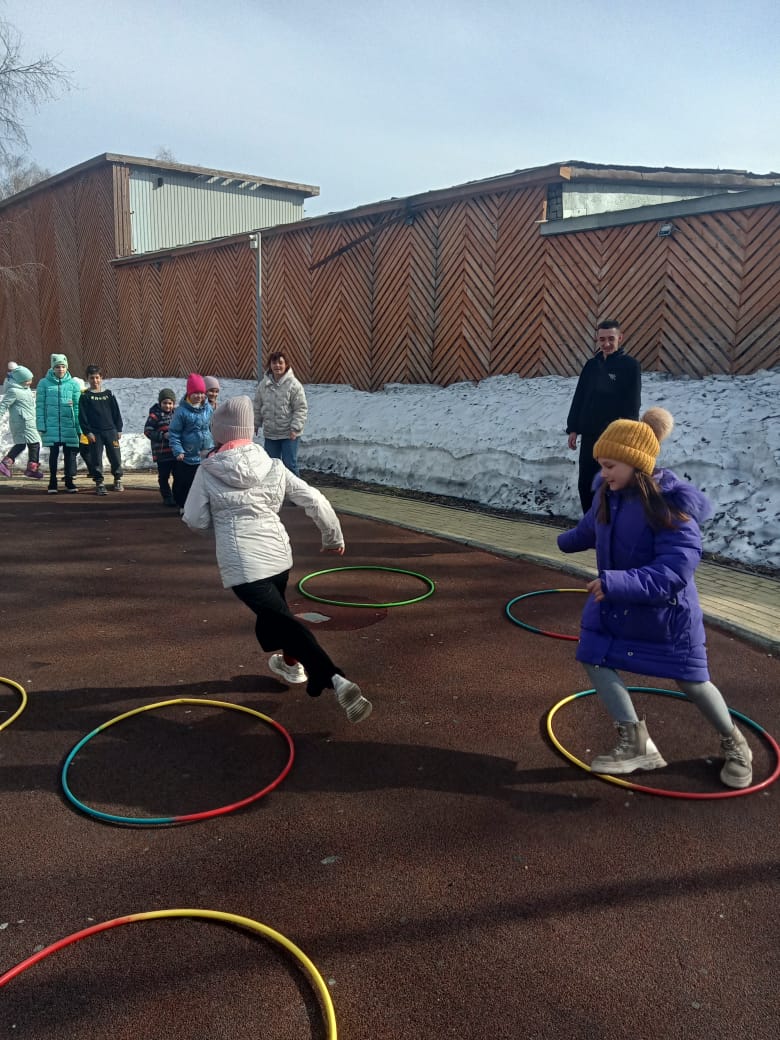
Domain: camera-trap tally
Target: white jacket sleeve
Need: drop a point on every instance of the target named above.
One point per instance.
(317, 508)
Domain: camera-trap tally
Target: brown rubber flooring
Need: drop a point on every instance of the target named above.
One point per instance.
(448, 872)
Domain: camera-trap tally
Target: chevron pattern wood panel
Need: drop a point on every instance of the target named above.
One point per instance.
(518, 313)
(131, 331)
(454, 292)
(24, 261)
(631, 288)
(758, 325)
(225, 341)
(67, 277)
(179, 319)
(95, 222)
(286, 299)
(704, 262)
(342, 305)
(571, 272)
(191, 312)
(44, 215)
(403, 262)
(465, 290)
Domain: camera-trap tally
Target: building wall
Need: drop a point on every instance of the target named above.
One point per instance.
(193, 311)
(57, 289)
(169, 209)
(471, 289)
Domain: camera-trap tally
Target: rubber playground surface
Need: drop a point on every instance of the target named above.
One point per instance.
(443, 868)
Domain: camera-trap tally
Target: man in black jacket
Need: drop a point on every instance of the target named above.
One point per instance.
(609, 388)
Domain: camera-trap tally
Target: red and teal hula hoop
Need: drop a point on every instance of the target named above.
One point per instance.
(697, 796)
(342, 603)
(532, 628)
(146, 821)
(210, 915)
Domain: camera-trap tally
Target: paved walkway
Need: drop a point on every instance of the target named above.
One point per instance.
(740, 602)
(746, 604)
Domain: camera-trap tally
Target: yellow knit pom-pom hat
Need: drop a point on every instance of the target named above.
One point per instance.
(635, 443)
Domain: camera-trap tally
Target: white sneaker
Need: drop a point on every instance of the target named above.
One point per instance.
(351, 699)
(291, 673)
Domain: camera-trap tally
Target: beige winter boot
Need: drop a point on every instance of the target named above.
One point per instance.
(634, 750)
(737, 769)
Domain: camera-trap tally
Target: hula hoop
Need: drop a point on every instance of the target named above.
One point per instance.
(212, 915)
(188, 817)
(22, 693)
(344, 603)
(731, 793)
(531, 628)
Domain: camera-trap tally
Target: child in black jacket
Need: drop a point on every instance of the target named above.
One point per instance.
(101, 421)
(156, 429)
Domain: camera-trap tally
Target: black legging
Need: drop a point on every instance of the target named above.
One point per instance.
(33, 451)
(183, 476)
(70, 463)
(588, 470)
(277, 628)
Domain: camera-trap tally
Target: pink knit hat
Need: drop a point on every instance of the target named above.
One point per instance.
(234, 421)
(195, 384)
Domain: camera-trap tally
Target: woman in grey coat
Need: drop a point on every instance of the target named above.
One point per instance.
(281, 411)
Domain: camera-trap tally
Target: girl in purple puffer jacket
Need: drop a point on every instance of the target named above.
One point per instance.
(643, 612)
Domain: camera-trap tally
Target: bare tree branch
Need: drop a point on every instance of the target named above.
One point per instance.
(23, 84)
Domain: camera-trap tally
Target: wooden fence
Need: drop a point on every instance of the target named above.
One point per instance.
(192, 311)
(471, 289)
(451, 290)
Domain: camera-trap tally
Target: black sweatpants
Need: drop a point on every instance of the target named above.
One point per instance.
(277, 628)
(183, 476)
(588, 470)
(109, 440)
(70, 463)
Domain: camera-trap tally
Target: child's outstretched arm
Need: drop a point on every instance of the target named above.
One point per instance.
(318, 509)
(581, 537)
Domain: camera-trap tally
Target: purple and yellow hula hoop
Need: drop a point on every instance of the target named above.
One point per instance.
(146, 821)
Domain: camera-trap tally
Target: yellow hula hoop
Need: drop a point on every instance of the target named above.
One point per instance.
(211, 915)
(573, 758)
(22, 693)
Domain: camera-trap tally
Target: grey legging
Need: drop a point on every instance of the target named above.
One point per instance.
(616, 699)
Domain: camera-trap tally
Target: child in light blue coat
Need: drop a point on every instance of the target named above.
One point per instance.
(19, 401)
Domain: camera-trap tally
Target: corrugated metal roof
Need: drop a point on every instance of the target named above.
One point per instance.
(171, 208)
(112, 158)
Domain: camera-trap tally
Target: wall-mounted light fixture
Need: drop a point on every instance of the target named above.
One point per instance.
(666, 230)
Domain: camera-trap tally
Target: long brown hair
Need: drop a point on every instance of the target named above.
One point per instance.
(659, 513)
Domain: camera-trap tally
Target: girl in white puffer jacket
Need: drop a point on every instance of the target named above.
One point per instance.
(239, 491)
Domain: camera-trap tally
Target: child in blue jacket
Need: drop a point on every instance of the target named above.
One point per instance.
(189, 436)
(643, 612)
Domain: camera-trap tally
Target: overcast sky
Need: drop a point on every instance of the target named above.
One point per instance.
(373, 100)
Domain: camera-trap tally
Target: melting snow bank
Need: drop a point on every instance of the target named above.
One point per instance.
(502, 443)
